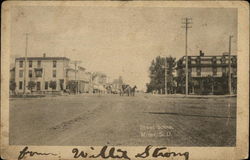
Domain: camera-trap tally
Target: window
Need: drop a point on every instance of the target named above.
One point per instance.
(234, 60)
(223, 60)
(206, 69)
(223, 69)
(193, 69)
(20, 85)
(30, 73)
(214, 60)
(38, 64)
(198, 60)
(54, 73)
(198, 71)
(38, 72)
(189, 70)
(54, 64)
(21, 73)
(234, 70)
(21, 64)
(46, 85)
(30, 64)
(214, 71)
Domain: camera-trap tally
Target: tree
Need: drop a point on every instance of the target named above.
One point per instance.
(170, 70)
(52, 84)
(13, 86)
(31, 85)
(181, 79)
(157, 74)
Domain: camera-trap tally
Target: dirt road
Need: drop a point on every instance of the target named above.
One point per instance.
(114, 120)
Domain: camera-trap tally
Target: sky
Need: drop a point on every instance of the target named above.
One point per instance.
(120, 41)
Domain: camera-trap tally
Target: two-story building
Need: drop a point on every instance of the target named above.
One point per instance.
(48, 73)
(207, 74)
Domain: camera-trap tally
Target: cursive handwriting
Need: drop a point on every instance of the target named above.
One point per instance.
(25, 152)
(149, 151)
(104, 153)
(157, 152)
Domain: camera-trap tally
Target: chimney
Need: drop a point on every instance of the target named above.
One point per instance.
(201, 53)
(44, 55)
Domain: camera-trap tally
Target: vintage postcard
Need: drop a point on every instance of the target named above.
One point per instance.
(124, 80)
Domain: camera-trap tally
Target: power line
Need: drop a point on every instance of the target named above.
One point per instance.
(187, 24)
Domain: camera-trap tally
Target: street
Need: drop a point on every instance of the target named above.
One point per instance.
(130, 121)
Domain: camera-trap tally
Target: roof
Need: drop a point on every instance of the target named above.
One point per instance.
(207, 57)
(43, 58)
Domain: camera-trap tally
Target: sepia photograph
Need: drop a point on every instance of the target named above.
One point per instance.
(122, 75)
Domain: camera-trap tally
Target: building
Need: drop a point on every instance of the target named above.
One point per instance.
(207, 74)
(81, 78)
(117, 85)
(40, 74)
(99, 81)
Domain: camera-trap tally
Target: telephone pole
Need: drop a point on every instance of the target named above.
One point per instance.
(186, 22)
(25, 62)
(229, 66)
(76, 81)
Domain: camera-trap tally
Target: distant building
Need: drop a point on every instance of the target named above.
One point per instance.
(207, 74)
(99, 81)
(42, 71)
(82, 78)
(116, 85)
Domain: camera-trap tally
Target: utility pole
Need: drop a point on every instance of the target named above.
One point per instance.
(229, 66)
(166, 80)
(25, 62)
(76, 81)
(187, 22)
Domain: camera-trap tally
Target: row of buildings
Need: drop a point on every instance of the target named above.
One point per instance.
(54, 74)
(207, 75)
